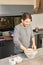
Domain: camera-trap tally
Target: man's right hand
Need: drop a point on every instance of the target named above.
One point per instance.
(30, 51)
(27, 50)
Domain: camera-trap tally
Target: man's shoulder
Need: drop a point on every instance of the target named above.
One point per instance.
(17, 26)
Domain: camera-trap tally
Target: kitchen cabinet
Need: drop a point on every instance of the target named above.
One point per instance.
(6, 48)
(42, 42)
(39, 38)
(38, 41)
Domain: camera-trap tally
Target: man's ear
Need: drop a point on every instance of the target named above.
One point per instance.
(21, 20)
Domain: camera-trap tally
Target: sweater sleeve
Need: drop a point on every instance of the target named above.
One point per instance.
(16, 37)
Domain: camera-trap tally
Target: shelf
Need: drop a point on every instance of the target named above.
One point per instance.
(6, 38)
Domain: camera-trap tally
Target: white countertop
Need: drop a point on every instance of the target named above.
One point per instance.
(38, 60)
(5, 61)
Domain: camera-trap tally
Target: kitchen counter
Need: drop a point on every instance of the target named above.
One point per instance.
(39, 32)
(38, 60)
(6, 38)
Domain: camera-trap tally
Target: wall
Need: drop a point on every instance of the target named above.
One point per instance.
(41, 3)
(17, 2)
(37, 20)
(9, 10)
(36, 3)
(20, 2)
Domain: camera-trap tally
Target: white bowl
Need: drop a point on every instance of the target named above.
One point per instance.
(32, 55)
(15, 60)
(18, 59)
(12, 61)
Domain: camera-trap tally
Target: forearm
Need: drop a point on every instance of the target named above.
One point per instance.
(19, 44)
(23, 47)
(33, 43)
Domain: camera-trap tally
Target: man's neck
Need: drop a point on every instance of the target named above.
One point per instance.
(24, 25)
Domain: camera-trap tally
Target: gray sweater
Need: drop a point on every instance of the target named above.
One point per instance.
(22, 35)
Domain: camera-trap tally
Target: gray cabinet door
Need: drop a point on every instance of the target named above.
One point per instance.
(6, 49)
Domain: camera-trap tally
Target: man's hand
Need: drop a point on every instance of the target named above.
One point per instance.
(30, 51)
(33, 44)
(34, 47)
(27, 50)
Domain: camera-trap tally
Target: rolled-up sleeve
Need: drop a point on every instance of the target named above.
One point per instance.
(16, 37)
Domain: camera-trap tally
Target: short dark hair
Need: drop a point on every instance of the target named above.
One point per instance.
(26, 15)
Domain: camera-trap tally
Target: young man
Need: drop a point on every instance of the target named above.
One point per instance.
(23, 35)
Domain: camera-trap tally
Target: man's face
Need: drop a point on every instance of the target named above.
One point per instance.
(26, 22)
